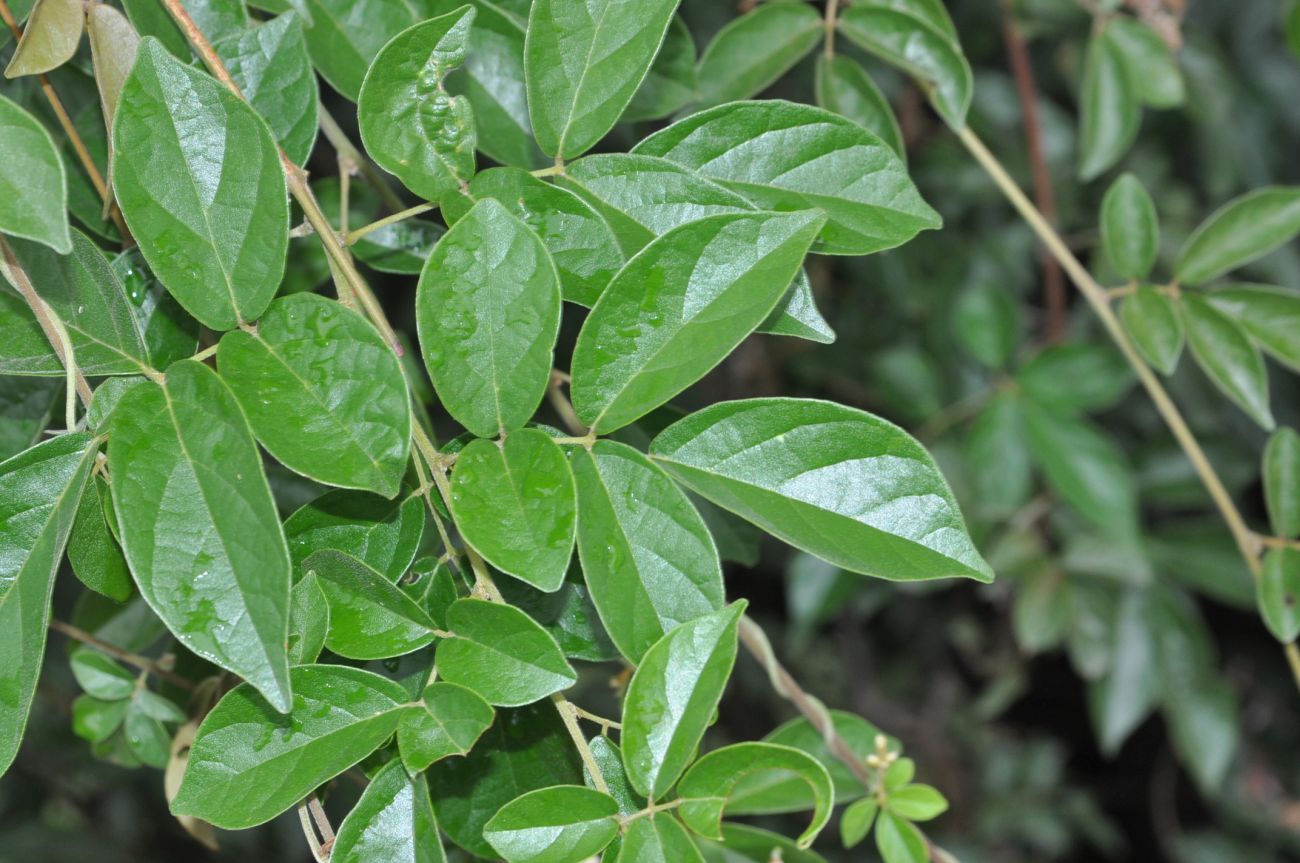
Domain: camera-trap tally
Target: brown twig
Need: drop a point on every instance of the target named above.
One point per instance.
(346, 149)
(144, 663)
(1044, 197)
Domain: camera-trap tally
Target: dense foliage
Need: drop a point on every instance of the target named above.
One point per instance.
(399, 496)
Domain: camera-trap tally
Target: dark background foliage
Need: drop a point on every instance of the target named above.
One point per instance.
(1002, 729)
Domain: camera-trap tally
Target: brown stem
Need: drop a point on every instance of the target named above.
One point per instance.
(1044, 197)
(346, 149)
(144, 663)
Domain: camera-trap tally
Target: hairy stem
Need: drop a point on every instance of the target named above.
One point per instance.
(344, 147)
(569, 714)
(400, 216)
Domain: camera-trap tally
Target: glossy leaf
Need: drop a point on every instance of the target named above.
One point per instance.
(1228, 356)
(96, 720)
(745, 844)
(755, 49)
(323, 393)
(844, 485)
(100, 675)
(199, 526)
(33, 186)
(393, 821)
(1278, 593)
(713, 280)
(50, 37)
(39, 493)
(857, 820)
(898, 841)
(1153, 322)
(514, 502)
(568, 615)
(843, 86)
(783, 156)
(1110, 112)
(1130, 231)
(609, 758)
(199, 181)
(583, 62)
(708, 784)
(383, 534)
(95, 556)
(249, 763)
(658, 838)
(409, 124)
(672, 697)
(671, 83)
(562, 824)
(502, 654)
(369, 616)
(309, 620)
(488, 311)
(26, 405)
(401, 248)
(450, 722)
(1281, 477)
(170, 334)
(1270, 315)
(151, 19)
(647, 555)
(1153, 67)
(1240, 231)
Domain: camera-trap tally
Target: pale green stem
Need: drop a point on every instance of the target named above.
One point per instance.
(360, 232)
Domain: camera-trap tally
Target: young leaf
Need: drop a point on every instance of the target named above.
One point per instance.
(1228, 357)
(647, 556)
(843, 86)
(94, 554)
(323, 393)
(671, 83)
(707, 785)
(369, 616)
(100, 675)
(199, 526)
(1152, 65)
(393, 821)
(409, 124)
(1110, 112)
(658, 838)
(249, 763)
(917, 803)
(96, 720)
(857, 820)
(784, 156)
(401, 247)
(50, 37)
(898, 841)
(609, 758)
(919, 39)
(562, 824)
(1240, 231)
(1130, 231)
(199, 181)
(755, 49)
(33, 185)
(1281, 476)
(113, 46)
(383, 534)
(146, 737)
(583, 62)
(1278, 593)
(1270, 315)
(836, 482)
(714, 280)
(488, 311)
(1153, 322)
(450, 722)
(39, 493)
(672, 697)
(270, 64)
(515, 503)
(309, 620)
(502, 654)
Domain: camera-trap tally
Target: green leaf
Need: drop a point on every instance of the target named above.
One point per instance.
(451, 721)
(562, 824)
(986, 322)
(583, 62)
(609, 758)
(96, 720)
(199, 526)
(1110, 112)
(796, 314)
(707, 785)
(755, 49)
(745, 844)
(323, 393)
(26, 406)
(1098, 373)
(100, 675)
(568, 615)
(524, 750)
(488, 311)
(393, 821)
(1228, 357)
(581, 244)
(784, 156)
(672, 697)
(713, 280)
(170, 334)
(1203, 725)
(647, 556)
(1240, 231)
(50, 37)
(1152, 321)
(514, 502)
(199, 181)
(401, 247)
(917, 803)
(843, 86)
(898, 840)
(918, 38)
(857, 820)
(271, 67)
(997, 458)
(151, 19)
(1270, 315)
(1278, 593)
(369, 616)
(249, 763)
(309, 620)
(671, 83)
(146, 738)
(218, 18)
(502, 654)
(658, 838)
(836, 482)
(113, 46)
(1042, 611)
(1130, 229)
(1281, 477)
(1130, 689)
(383, 534)
(1153, 68)
(94, 554)
(39, 493)
(1085, 467)
(33, 185)
(409, 124)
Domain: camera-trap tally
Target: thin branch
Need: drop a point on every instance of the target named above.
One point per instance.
(569, 714)
(346, 149)
(831, 19)
(353, 236)
(318, 853)
(144, 663)
(562, 405)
